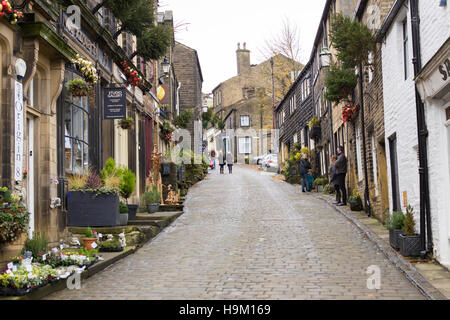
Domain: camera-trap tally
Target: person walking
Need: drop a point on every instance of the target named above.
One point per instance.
(333, 181)
(221, 161)
(341, 171)
(230, 162)
(304, 167)
(213, 159)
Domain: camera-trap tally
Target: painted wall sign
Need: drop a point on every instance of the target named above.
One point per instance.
(18, 132)
(115, 103)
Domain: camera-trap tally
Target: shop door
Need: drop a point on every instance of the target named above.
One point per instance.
(30, 176)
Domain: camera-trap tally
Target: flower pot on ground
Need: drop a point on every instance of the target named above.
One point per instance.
(78, 87)
(409, 241)
(89, 239)
(152, 199)
(394, 222)
(132, 210)
(123, 221)
(355, 201)
(90, 203)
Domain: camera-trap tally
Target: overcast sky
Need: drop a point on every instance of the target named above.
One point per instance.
(216, 26)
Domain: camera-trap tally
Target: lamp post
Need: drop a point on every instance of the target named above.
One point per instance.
(325, 57)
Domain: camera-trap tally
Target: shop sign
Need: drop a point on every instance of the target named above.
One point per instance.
(18, 132)
(115, 103)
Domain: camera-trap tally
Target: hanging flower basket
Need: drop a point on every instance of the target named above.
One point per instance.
(86, 68)
(78, 88)
(350, 113)
(126, 124)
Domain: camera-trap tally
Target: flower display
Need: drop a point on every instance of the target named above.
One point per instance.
(6, 11)
(85, 66)
(133, 78)
(13, 216)
(349, 112)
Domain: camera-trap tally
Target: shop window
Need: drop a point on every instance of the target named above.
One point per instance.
(76, 130)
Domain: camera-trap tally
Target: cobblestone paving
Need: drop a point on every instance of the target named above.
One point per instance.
(248, 236)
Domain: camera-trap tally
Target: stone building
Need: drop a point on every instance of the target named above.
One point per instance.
(371, 13)
(415, 64)
(63, 134)
(244, 103)
(190, 78)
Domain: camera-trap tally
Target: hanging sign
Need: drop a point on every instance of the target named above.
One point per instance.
(18, 132)
(115, 103)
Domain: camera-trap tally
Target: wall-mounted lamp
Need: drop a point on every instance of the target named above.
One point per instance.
(165, 66)
(325, 57)
(21, 68)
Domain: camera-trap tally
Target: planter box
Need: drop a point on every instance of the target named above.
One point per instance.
(355, 205)
(123, 219)
(86, 209)
(132, 209)
(409, 245)
(393, 238)
(152, 208)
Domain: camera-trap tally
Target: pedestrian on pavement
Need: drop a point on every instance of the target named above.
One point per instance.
(333, 181)
(213, 158)
(221, 161)
(341, 171)
(304, 167)
(310, 180)
(230, 162)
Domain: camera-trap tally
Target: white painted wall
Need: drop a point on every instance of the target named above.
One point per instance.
(400, 117)
(400, 113)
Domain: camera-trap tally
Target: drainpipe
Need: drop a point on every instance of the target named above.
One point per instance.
(178, 98)
(363, 129)
(426, 244)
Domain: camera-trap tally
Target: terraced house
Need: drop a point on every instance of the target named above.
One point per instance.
(55, 132)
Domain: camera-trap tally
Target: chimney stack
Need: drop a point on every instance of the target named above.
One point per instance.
(243, 60)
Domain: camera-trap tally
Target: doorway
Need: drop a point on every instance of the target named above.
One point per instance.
(30, 175)
(394, 173)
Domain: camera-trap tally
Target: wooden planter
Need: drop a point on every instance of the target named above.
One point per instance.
(87, 209)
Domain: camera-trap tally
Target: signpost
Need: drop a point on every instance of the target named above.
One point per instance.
(115, 103)
(18, 131)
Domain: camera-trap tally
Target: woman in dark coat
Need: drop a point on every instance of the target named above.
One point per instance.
(304, 167)
(341, 171)
(333, 180)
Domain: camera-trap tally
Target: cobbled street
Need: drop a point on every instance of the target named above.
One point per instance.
(249, 236)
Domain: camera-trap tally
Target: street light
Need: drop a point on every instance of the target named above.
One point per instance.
(165, 66)
(325, 57)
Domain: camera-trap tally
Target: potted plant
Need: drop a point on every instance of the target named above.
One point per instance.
(90, 236)
(78, 87)
(127, 187)
(409, 241)
(355, 201)
(126, 124)
(91, 203)
(152, 199)
(394, 223)
(314, 125)
(123, 214)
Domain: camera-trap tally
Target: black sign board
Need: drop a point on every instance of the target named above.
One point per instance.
(115, 103)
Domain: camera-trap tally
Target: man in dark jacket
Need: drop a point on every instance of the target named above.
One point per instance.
(340, 171)
(304, 167)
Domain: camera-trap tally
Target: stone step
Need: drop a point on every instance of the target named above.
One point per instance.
(169, 215)
(171, 207)
(156, 223)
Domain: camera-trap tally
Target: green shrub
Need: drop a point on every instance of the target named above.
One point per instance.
(183, 120)
(127, 183)
(37, 245)
(123, 207)
(110, 244)
(153, 196)
(394, 220)
(339, 83)
(409, 223)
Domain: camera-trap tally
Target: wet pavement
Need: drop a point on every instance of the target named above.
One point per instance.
(249, 236)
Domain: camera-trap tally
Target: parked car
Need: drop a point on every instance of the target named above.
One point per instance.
(257, 160)
(271, 161)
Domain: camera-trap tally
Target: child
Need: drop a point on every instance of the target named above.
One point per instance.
(310, 180)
